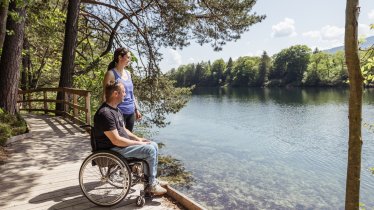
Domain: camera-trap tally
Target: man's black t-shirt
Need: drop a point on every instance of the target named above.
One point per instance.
(107, 118)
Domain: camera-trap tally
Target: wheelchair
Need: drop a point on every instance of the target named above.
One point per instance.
(105, 176)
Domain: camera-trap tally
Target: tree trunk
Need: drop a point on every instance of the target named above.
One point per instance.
(68, 54)
(3, 18)
(352, 196)
(11, 58)
(25, 64)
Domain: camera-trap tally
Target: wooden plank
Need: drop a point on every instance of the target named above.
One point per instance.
(42, 171)
(183, 199)
(41, 100)
(75, 105)
(45, 102)
(40, 90)
(76, 91)
(42, 110)
(88, 109)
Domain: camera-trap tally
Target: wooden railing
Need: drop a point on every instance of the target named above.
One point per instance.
(76, 102)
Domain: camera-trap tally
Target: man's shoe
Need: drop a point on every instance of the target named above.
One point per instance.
(162, 183)
(158, 190)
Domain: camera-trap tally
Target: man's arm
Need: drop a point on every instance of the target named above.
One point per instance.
(117, 140)
(134, 137)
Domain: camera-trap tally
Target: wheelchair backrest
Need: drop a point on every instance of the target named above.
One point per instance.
(93, 140)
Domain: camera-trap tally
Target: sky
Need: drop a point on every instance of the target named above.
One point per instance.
(316, 23)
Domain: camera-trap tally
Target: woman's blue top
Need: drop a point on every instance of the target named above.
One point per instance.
(128, 104)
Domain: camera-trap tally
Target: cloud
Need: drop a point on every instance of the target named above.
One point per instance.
(326, 37)
(313, 34)
(284, 28)
(335, 34)
(371, 14)
(175, 58)
(332, 33)
(171, 59)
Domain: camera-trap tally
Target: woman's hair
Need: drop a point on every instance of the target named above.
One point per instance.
(119, 51)
(110, 88)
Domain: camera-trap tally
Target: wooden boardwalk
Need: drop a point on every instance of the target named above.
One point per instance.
(42, 171)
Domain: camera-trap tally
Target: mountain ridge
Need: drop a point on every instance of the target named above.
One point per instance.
(369, 41)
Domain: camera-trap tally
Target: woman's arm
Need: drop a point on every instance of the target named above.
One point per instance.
(109, 76)
(138, 114)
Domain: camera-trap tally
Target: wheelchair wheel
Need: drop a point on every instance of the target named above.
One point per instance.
(115, 177)
(140, 201)
(104, 178)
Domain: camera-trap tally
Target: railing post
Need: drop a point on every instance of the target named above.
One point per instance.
(88, 108)
(75, 101)
(45, 102)
(29, 102)
(66, 100)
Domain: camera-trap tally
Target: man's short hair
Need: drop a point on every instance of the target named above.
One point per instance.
(110, 88)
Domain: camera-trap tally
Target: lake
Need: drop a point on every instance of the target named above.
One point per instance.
(264, 148)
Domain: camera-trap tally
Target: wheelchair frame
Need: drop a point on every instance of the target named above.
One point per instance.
(105, 176)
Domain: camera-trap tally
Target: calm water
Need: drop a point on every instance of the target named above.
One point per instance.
(269, 148)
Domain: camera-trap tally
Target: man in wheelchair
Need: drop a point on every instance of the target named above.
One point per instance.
(110, 133)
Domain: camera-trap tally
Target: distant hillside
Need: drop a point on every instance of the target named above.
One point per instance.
(368, 43)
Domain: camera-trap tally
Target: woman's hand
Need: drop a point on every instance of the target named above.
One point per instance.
(138, 115)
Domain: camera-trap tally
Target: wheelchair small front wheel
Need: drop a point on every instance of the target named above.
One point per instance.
(140, 201)
(104, 178)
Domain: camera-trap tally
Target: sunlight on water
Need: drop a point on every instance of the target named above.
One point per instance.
(269, 148)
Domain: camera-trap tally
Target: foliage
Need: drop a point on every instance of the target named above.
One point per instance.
(44, 41)
(291, 63)
(325, 70)
(146, 26)
(245, 71)
(10, 125)
(264, 68)
(367, 66)
(158, 97)
(218, 67)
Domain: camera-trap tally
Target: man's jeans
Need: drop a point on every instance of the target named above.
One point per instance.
(147, 152)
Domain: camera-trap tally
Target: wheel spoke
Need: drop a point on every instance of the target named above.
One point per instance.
(108, 182)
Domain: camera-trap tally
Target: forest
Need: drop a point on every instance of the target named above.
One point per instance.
(295, 66)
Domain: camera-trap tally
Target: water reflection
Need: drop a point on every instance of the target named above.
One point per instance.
(292, 96)
(269, 148)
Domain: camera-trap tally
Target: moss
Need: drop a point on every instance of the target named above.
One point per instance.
(5, 133)
(11, 125)
(172, 170)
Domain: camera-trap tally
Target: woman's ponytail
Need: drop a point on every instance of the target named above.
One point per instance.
(111, 65)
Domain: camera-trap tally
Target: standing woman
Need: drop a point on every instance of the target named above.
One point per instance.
(117, 72)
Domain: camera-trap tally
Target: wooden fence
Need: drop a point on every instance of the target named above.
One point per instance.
(76, 102)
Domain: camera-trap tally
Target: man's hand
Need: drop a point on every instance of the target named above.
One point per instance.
(144, 140)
